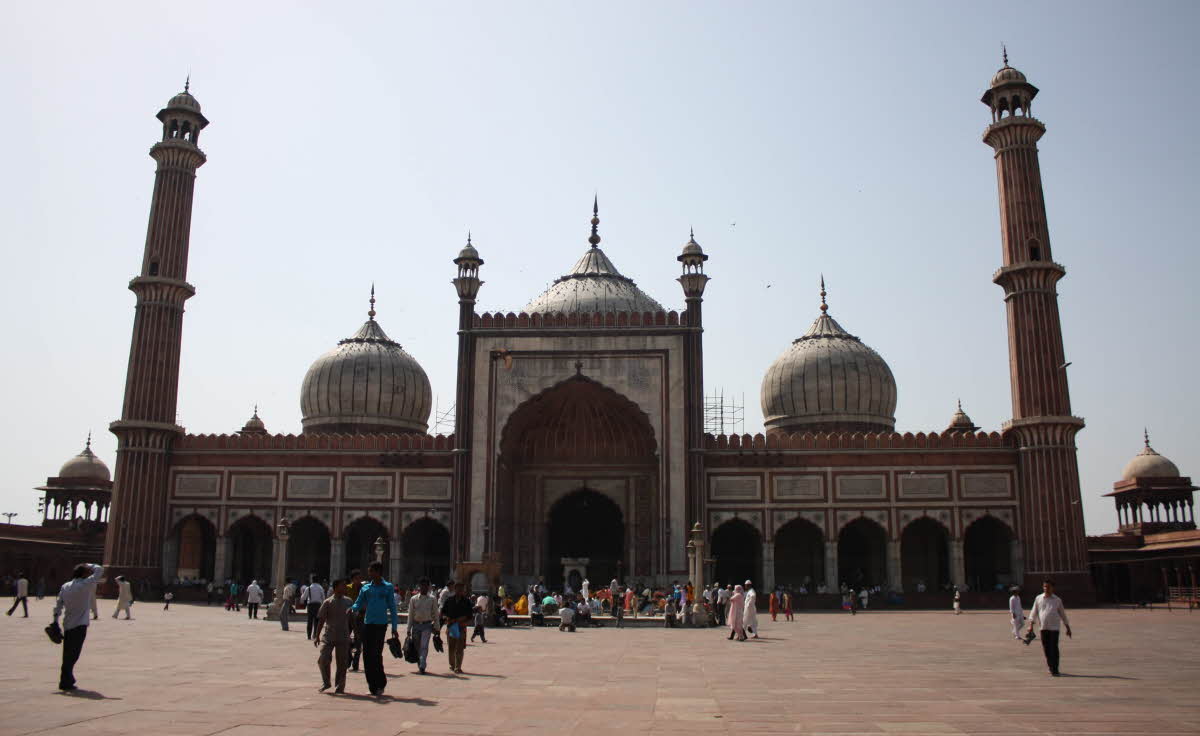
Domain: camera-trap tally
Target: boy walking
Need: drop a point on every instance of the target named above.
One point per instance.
(22, 597)
(1048, 611)
(333, 617)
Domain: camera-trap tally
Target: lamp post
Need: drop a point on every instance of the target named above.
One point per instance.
(9, 515)
(696, 552)
(280, 573)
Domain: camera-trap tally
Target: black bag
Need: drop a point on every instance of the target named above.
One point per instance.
(411, 655)
(394, 647)
(437, 643)
(55, 633)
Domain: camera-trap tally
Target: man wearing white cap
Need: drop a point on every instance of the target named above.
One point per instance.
(750, 614)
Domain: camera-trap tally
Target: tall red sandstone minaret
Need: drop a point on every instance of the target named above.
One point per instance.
(147, 426)
(1051, 516)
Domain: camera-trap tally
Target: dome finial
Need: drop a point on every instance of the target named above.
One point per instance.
(88, 446)
(187, 83)
(824, 306)
(960, 404)
(595, 237)
(1146, 436)
(1004, 51)
(468, 237)
(256, 410)
(371, 311)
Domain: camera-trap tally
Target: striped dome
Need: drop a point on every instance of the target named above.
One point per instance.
(368, 383)
(828, 380)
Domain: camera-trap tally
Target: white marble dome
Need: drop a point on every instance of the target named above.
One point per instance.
(1149, 464)
(85, 466)
(828, 380)
(368, 383)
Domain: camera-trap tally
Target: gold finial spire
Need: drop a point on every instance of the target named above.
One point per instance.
(824, 306)
(960, 405)
(595, 237)
(1004, 51)
(468, 237)
(371, 311)
(256, 410)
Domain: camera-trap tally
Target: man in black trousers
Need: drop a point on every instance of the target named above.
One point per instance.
(74, 604)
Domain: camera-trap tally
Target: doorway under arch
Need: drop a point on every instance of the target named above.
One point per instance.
(862, 554)
(585, 523)
(987, 553)
(308, 550)
(250, 550)
(799, 555)
(737, 547)
(924, 555)
(426, 551)
(197, 549)
(360, 539)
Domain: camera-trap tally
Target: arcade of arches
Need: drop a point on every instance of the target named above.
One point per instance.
(863, 554)
(578, 480)
(194, 551)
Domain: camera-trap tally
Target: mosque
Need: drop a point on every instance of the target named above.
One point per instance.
(579, 445)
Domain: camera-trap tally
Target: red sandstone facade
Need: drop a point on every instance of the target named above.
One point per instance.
(584, 412)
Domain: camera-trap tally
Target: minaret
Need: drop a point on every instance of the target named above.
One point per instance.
(147, 428)
(693, 280)
(467, 284)
(1051, 515)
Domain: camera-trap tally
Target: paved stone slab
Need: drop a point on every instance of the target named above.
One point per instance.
(197, 671)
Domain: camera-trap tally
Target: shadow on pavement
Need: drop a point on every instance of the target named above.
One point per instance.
(87, 694)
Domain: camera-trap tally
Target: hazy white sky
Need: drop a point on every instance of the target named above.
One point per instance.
(353, 143)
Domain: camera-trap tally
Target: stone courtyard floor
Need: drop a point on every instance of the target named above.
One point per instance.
(199, 670)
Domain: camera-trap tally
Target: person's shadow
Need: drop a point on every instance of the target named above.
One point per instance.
(1098, 677)
(385, 699)
(87, 694)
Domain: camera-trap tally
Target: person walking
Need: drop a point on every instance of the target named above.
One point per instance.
(212, 591)
(737, 612)
(377, 605)
(285, 606)
(773, 605)
(864, 597)
(750, 616)
(167, 598)
(235, 591)
(1049, 613)
(722, 607)
(456, 614)
(124, 597)
(333, 616)
(1017, 612)
(356, 581)
(313, 599)
(73, 605)
(848, 600)
(254, 596)
(957, 602)
(422, 619)
(482, 605)
(21, 596)
(787, 606)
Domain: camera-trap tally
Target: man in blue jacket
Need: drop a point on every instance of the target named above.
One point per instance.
(376, 607)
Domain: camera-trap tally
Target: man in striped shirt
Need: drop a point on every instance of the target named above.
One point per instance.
(1048, 611)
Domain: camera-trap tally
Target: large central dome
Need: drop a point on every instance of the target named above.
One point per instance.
(593, 285)
(368, 383)
(829, 381)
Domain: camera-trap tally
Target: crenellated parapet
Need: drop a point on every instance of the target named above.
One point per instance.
(332, 442)
(858, 441)
(577, 320)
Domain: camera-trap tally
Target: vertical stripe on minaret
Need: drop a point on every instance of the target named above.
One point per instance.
(147, 428)
(1050, 525)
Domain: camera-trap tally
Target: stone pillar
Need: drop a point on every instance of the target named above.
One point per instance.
(394, 561)
(768, 571)
(337, 558)
(278, 578)
(221, 561)
(893, 564)
(170, 558)
(958, 570)
(1017, 555)
(831, 567)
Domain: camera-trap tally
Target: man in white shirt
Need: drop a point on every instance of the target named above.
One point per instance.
(423, 619)
(124, 596)
(74, 604)
(313, 596)
(22, 595)
(254, 596)
(285, 609)
(1017, 612)
(1048, 611)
